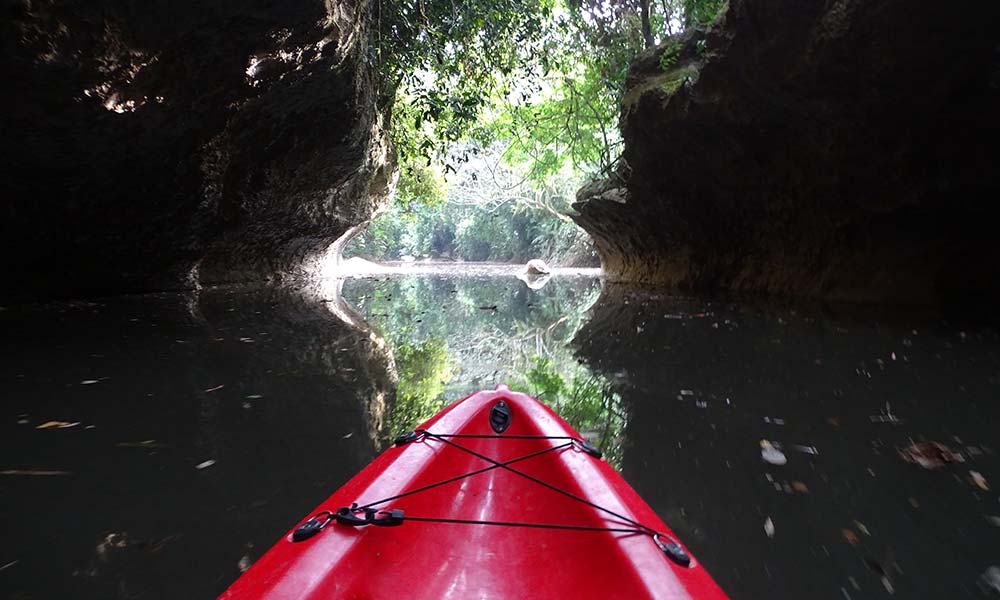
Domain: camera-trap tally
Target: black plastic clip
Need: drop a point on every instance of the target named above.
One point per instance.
(346, 516)
(406, 438)
(673, 550)
(314, 525)
(590, 448)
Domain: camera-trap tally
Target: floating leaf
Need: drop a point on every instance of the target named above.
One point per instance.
(930, 455)
(204, 465)
(800, 487)
(976, 478)
(850, 537)
(57, 425)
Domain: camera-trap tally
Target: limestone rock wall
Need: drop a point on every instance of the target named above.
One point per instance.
(165, 143)
(840, 149)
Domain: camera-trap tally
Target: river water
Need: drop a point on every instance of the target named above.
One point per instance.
(154, 446)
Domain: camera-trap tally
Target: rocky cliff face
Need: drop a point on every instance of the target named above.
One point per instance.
(159, 144)
(840, 149)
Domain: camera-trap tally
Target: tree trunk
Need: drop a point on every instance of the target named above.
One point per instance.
(647, 29)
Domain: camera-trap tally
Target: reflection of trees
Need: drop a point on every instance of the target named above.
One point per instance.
(423, 369)
(449, 341)
(585, 400)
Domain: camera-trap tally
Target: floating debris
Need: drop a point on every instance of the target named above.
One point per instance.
(204, 465)
(806, 449)
(800, 487)
(218, 387)
(770, 454)
(142, 444)
(244, 563)
(850, 537)
(90, 381)
(769, 527)
(976, 478)
(862, 528)
(35, 473)
(774, 420)
(989, 581)
(930, 455)
(57, 425)
(253, 397)
(8, 565)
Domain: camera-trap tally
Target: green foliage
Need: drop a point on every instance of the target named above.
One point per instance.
(490, 212)
(669, 56)
(547, 76)
(424, 370)
(701, 12)
(442, 62)
(422, 184)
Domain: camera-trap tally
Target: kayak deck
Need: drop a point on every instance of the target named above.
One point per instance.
(433, 559)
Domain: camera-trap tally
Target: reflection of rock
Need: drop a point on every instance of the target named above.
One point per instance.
(537, 266)
(790, 150)
(152, 148)
(534, 281)
(288, 401)
(703, 382)
(330, 341)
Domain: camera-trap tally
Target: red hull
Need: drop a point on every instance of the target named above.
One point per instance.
(449, 560)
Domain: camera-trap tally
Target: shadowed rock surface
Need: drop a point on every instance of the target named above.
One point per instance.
(160, 144)
(843, 150)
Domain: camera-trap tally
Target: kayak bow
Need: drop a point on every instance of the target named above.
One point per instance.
(496, 496)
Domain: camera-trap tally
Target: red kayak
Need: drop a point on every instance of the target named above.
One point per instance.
(496, 496)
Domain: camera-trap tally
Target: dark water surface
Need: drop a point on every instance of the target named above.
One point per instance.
(199, 428)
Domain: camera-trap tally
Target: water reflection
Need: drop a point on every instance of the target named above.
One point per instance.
(455, 334)
(786, 447)
(196, 431)
(801, 455)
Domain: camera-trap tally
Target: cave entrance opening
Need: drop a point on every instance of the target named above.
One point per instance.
(483, 210)
(498, 114)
